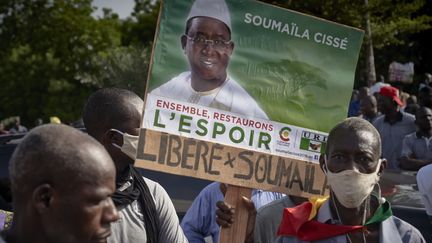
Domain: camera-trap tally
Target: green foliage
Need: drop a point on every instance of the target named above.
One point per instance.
(54, 53)
(140, 28)
(45, 44)
(122, 67)
(391, 20)
(394, 25)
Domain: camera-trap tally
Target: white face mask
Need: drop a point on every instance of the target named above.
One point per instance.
(130, 144)
(352, 187)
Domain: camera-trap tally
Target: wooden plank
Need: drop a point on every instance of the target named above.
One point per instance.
(237, 231)
(235, 166)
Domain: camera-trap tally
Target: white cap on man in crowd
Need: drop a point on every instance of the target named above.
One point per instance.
(216, 9)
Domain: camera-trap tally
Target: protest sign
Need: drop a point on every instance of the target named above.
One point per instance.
(399, 72)
(279, 81)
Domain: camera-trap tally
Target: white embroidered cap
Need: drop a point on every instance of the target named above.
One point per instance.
(216, 9)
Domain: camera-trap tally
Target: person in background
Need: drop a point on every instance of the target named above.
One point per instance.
(200, 222)
(62, 181)
(18, 128)
(113, 116)
(263, 224)
(38, 122)
(2, 129)
(369, 108)
(425, 96)
(411, 105)
(269, 217)
(424, 183)
(426, 81)
(417, 146)
(376, 87)
(354, 107)
(393, 125)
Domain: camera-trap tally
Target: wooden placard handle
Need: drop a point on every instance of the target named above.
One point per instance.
(237, 232)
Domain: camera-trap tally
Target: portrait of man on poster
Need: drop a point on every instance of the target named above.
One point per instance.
(208, 47)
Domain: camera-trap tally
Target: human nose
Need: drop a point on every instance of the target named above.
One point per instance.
(208, 47)
(110, 213)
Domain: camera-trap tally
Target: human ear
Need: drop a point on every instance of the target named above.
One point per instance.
(230, 48)
(42, 197)
(112, 137)
(183, 41)
(383, 165)
(322, 163)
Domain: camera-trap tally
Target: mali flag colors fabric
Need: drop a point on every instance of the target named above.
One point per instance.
(300, 222)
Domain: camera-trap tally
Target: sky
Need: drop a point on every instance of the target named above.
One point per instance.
(122, 7)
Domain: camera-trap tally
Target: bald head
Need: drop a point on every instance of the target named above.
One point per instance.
(355, 126)
(58, 155)
(110, 108)
(369, 98)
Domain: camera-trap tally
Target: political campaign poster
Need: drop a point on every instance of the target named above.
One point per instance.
(245, 93)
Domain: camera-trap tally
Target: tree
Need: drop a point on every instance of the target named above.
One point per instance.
(393, 23)
(140, 28)
(45, 44)
(122, 67)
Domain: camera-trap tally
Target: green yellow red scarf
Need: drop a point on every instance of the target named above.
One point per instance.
(300, 221)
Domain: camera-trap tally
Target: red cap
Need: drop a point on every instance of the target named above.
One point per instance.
(391, 92)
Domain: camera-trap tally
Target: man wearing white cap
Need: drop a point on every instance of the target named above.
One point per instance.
(208, 46)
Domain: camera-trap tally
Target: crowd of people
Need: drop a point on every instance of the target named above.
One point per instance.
(75, 187)
(17, 128)
(72, 187)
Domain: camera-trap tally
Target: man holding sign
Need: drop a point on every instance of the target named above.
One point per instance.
(353, 213)
(208, 46)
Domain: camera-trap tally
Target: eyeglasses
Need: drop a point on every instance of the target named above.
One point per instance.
(200, 41)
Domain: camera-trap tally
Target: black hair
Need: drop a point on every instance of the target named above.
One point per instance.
(109, 108)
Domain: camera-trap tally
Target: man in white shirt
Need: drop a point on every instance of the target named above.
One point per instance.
(208, 46)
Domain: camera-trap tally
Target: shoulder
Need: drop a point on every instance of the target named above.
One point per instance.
(407, 232)
(379, 120)
(157, 191)
(152, 185)
(211, 188)
(275, 207)
(408, 117)
(236, 89)
(410, 137)
(180, 79)
(425, 171)
(240, 99)
(211, 192)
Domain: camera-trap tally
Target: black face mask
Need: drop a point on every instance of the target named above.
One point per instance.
(138, 190)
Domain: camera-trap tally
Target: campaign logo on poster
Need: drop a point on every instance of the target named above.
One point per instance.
(313, 142)
(284, 134)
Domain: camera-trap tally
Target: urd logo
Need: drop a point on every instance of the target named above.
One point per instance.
(313, 142)
(284, 134)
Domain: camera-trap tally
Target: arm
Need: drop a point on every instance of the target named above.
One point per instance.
(411, 163)
(170, 230)
(196, 220)
(408, 160)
